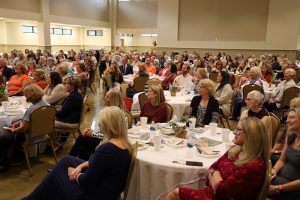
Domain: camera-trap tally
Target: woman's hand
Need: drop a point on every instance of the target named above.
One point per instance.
(274, 173)
(87, 132)
(173, 195)
(272, 190)
(73, 172)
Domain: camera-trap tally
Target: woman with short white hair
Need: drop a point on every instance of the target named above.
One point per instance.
(254, 103)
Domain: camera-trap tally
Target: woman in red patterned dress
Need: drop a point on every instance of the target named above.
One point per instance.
(240, 172)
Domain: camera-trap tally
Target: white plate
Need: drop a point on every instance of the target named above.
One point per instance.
(207, 156)
(175, 142)
(13, 112)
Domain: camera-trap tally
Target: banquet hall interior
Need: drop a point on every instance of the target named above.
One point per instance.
(210, 92)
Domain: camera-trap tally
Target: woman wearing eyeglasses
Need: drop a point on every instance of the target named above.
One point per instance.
(69, 115)
(240, 172)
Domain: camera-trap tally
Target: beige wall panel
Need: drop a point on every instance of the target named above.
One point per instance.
(229, 20)
(137, 14)
(22, 5)
(86, 9)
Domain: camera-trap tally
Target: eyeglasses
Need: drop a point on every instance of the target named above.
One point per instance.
(238, 130)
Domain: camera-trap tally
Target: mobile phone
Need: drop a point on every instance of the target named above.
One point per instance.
(6, 128)
(194, 163)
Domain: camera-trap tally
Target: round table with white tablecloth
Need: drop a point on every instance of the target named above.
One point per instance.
(155, 174)
(179, 102)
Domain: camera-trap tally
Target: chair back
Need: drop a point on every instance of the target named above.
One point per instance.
(154, 82)
(288, 95)
(139, 83)
(131, 168)
(129, 119)
(297, 77)
(36, 128)
(108, 80)
(275, 121)
(213, 76)
(266, 184)
(170, 112)
(124, 87)
(232, 100)
(142, 99)
(84, 110)
(249, 88)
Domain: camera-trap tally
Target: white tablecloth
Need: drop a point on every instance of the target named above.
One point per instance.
(6, 120)
(178, 103)
(155, 174)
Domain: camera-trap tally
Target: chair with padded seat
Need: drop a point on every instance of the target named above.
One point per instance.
(130, 172)
(40, 132)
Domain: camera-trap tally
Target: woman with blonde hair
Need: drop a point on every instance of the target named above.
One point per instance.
(240, 172)
(285, 182)
(103, 175)
(205, 108)
(85, 145)
(17, 131)
(155, 108)
(199, 75)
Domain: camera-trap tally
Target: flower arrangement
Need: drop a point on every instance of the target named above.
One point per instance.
(173, 89)
(179, 127)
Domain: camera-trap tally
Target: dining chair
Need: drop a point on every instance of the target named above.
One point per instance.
(39, 132)
(266, 184)
(154, 82)
(108, 82)
(139, 83)
(250, 87)
(213, 76)
(275, 122)
(226, 118)
(129, 119)
(170, 112)
(288, 95)
(130, 172)
(142, 99)
(123, 88)
(84, 110)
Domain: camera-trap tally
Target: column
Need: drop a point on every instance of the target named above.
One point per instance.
(113, 22)
(44, 27)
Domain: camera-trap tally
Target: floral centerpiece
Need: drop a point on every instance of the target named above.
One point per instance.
(173, 89)
(179, 127)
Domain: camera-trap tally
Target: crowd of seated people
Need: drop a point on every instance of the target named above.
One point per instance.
(190, 72)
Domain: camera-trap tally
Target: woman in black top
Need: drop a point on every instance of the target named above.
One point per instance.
(205, 108)
(285, 182)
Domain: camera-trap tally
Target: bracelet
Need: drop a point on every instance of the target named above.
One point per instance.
(277, 189)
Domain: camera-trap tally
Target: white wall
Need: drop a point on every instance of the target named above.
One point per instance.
(137, 40)
(15, 36)
(282, 28)
(92, 42)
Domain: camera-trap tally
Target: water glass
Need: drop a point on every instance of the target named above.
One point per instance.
(213, 128)
(225, 134)
(144, 122)
(157, 142)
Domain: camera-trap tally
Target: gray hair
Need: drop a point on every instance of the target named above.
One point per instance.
(256, 96)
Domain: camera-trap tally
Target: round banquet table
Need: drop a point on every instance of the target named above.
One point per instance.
(179, 102)
(154, 173)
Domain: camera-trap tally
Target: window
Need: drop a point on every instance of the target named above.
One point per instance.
(67, 31)
(51, 30)
(95, 32)
(57, 31)
(29, 29)
(149, 35)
